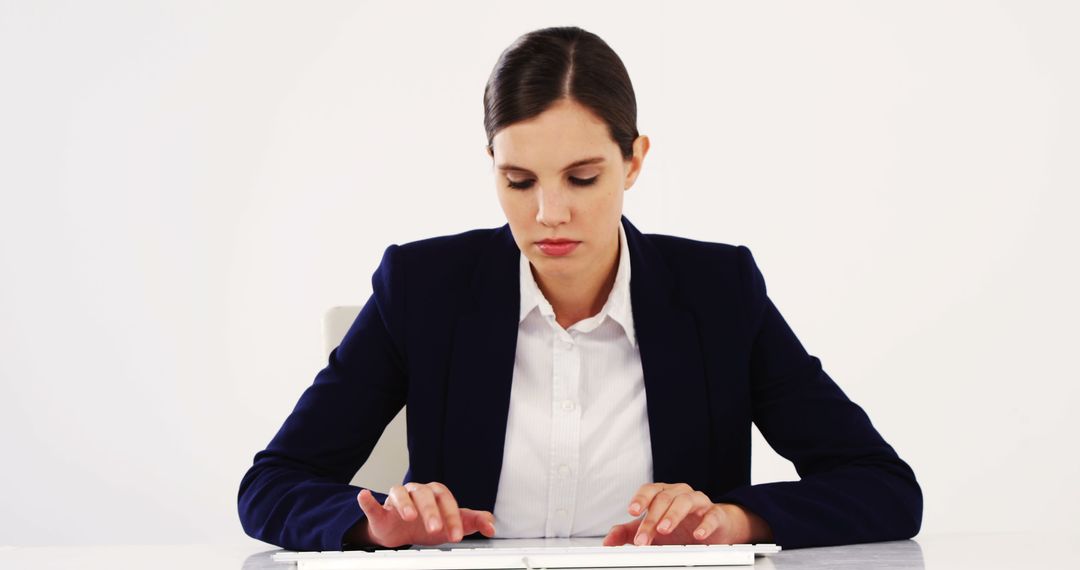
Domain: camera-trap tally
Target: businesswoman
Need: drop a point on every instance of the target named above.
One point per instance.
(568, 375)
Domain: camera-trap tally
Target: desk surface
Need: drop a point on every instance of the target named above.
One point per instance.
(989, 551)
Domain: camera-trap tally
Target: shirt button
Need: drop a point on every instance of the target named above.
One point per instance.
(561, 512)
(564, 470)
(568, 405)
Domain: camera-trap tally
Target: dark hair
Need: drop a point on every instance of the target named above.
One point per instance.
(546, 65)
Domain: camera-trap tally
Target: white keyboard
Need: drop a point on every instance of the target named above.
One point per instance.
(461, 556)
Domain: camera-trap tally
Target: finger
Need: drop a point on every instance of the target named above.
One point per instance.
(640, 501)
(620, 534)
(478, 521)
(425, 503)
(643, 497)
(680, 507)
(712, 520)
(448, 507)
(370, 505)
(656, 509)
(399, 499)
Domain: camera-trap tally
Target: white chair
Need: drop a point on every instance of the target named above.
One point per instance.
(390, 459)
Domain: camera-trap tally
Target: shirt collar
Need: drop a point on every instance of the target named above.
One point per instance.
(617, 306)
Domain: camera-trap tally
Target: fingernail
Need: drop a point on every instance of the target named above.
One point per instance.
(432, 525)
(640, 540)
(664, 525)
(409, 511)
(634, 507)
(700, 533)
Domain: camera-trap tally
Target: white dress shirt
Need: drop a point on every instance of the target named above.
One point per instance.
(577, 435)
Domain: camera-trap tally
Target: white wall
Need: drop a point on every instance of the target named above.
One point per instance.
(186, 186)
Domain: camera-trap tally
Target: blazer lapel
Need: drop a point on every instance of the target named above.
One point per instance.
(671, 360)
(481, 372)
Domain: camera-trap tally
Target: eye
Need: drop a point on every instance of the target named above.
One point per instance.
(520, 185)
(583, 181)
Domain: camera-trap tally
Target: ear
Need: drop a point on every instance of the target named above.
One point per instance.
(633, 168)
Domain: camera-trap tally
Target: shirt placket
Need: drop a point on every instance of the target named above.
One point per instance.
(565, 433)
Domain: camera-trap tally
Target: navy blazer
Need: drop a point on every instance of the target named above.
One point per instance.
(439, 333)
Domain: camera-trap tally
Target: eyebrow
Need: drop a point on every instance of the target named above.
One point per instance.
(575, 164)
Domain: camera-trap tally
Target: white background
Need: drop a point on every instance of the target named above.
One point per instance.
(186, 186)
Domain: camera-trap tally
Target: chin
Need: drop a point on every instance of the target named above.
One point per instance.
(557, 267)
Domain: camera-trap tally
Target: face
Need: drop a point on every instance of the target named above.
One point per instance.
(560, 179)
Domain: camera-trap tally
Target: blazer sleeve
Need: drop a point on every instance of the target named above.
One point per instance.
(296, 494)
(853, 486)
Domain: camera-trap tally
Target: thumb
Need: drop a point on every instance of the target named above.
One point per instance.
(621, 534)
(371, 506)
(478, 521)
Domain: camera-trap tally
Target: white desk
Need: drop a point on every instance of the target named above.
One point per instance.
(983, 551)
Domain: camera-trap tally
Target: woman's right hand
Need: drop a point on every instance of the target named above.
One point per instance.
(419, 513)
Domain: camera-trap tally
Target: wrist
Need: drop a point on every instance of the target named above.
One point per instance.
(747, 527)
(359, 534)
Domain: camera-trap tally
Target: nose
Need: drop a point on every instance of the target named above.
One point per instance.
(554, 206)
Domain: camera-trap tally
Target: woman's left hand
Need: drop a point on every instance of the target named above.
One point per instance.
(677, 514)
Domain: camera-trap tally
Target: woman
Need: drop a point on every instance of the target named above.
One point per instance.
(567, 375)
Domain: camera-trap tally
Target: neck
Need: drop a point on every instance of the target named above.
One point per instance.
(578, 297)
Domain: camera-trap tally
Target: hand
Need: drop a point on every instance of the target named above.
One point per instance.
(418, 513)
(677, 514)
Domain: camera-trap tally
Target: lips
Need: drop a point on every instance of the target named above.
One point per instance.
(557, 247)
